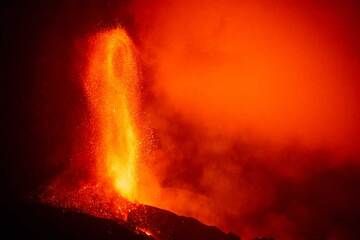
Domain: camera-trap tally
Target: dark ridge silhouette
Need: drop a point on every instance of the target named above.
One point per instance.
(40, 221)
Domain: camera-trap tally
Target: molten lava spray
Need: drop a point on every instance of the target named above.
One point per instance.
(102, 178)
(110, 87)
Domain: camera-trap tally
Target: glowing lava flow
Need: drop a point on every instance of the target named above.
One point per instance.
(110, 87)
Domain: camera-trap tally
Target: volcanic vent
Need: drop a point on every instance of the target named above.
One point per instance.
(113, 188)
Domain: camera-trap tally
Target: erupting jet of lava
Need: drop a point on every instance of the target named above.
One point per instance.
(110, 86)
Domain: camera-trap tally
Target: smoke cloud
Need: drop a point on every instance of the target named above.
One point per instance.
(254, 114)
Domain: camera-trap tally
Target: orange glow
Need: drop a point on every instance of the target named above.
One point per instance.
(110, 87)
(238, 68)
(262, 75)
(145, 231)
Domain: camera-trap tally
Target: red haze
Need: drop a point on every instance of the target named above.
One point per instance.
(280, 71)
(251, 104)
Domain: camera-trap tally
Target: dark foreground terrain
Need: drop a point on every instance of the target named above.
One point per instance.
(38, 221)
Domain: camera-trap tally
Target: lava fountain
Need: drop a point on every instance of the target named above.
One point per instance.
(103, 175)
(110, 87)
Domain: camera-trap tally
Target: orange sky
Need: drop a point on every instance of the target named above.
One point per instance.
(276, 71)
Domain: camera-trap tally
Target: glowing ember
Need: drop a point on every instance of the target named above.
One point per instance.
(145, 231)
(110, 87)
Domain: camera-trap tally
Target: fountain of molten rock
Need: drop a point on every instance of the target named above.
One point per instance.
(110, 85)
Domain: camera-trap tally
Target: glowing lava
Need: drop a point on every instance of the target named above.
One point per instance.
(110, 87)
